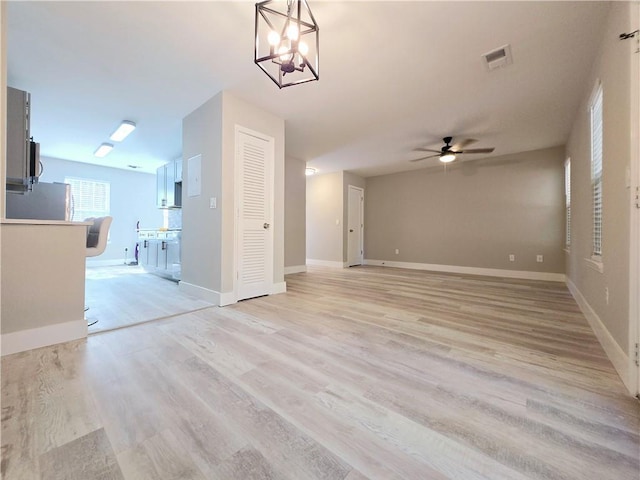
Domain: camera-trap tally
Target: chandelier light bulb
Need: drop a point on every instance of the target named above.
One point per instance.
(303, 48)
(292, 31)
(285, 53)
(273, 38)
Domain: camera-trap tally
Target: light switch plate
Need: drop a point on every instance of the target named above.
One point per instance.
(213, 202)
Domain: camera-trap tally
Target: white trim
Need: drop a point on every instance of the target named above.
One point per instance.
(295, 269)
(594, 264)
(227, 298)
(634, 174)
(22, 340)
(490, 272)
(593, 94)
(200, 292)
(616, 355)
(326, 263)
(270, 174)
(360, 259)
(107, 263)
(279, 287)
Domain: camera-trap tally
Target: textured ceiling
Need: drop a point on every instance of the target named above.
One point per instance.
(393, 76)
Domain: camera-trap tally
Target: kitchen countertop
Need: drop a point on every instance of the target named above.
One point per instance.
(160, 229)
(20, 221)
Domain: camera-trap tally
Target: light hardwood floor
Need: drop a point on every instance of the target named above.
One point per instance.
(352, 374)
(124, 295)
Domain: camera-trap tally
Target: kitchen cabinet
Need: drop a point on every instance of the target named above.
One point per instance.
(178, 164)
(168, 187)
(148, 249)
(159, 252)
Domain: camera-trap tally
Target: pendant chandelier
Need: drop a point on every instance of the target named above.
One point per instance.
(287, 42)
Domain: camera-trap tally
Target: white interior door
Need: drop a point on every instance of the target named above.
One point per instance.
(635, 212)
(355, 221)
(254, 183)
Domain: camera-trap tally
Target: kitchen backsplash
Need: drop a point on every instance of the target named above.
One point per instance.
(175, 218)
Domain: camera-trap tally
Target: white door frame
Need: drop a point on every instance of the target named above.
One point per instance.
(236, 207)
(361, 229)
(634, 244)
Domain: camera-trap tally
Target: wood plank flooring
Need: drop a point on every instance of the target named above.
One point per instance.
(119, 296)
(362, 373)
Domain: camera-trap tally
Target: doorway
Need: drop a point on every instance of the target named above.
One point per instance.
(634, 293)
(355, 225)
(255, 154)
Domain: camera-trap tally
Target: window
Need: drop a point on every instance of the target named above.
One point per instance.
(596, 170)
(90, 198)
(567, 201)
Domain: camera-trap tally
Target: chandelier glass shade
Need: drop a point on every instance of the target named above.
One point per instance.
(287, 42)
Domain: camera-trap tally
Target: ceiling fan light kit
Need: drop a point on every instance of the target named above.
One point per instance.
(448, 153)
(287, 42)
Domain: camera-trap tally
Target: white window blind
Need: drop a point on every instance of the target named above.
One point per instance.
(596, 170)
(90, 198)
(567, 200)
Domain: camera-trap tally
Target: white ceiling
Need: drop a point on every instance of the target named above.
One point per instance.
(393, 76)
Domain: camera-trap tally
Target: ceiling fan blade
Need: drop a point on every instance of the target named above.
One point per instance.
(477, 150)
(463, 143)
(424, 158)
(421, 149)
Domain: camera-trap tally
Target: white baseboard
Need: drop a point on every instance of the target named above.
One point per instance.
(221, 299)
(295, 269)
(490, 272)
(280, 287)
(326, 263)
(22, 340)
(202, 293)
(227, 298)
(105, 263)
(618, 357)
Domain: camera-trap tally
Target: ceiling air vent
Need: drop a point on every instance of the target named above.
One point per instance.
(499, 57)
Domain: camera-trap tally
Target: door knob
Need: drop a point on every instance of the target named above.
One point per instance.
(351, 230)
(265, 226)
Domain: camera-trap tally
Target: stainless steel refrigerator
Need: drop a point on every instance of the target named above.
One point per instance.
(47, 201)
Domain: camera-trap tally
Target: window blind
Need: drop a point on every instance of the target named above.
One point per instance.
(596, 170)
(90, 198)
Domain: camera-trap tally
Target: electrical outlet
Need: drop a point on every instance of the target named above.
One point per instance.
(539, 258)
(512, 257)
(397, 251)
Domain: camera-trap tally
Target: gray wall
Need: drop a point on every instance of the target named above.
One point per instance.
(209, 234)
(294, 213)
(324, 217)
(327, 215)
(238, 112)
(201, 225)
(133, 197)
(474, 215)
(612, 67)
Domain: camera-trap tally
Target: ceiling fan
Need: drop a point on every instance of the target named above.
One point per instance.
(449, 152)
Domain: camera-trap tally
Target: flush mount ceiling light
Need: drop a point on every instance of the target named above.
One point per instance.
(287, 42)
(309, 171)
(125, 128)
(103, 150)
